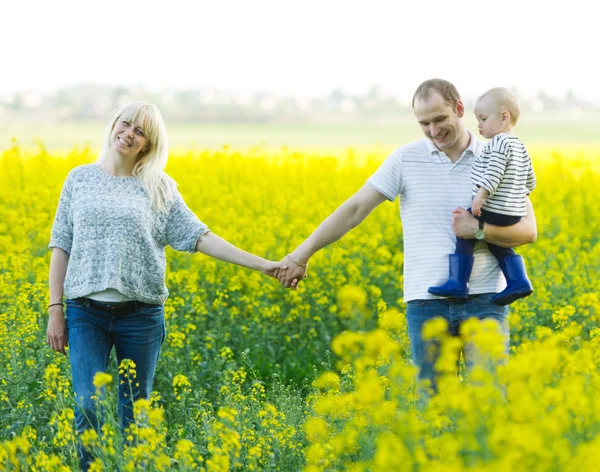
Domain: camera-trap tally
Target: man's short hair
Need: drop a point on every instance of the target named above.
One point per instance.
(504, 100)
(446, 90)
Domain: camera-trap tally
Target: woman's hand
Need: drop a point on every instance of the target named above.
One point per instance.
(215, 246)
(57, 335)
(272, 268)
(291, 277)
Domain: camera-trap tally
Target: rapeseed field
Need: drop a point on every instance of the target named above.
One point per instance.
(256, 377)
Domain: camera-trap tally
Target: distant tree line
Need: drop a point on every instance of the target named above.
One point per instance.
(91, 102)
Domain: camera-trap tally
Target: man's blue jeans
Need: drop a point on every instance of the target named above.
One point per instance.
(454, 311)
(136, 330)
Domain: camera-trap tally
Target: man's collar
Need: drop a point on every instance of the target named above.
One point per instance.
(471, 148)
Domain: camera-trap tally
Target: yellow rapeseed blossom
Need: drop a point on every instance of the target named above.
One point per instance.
(328, 381)
(102, 379)
(361, 407)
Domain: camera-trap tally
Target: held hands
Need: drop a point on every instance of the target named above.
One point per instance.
(56, 334)
(290, 276)
(272, 268)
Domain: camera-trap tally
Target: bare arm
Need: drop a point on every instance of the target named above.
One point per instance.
(347, 216)
(524, 232)
(215, 246)
(56, 333)
(477, 202)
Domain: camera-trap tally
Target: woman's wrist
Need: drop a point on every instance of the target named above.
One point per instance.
(54, 309)
(262, 265)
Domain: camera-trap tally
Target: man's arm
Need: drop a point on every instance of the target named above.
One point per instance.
(348, 215)
(524, 232)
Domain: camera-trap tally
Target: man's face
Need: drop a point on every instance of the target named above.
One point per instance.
(439, 122)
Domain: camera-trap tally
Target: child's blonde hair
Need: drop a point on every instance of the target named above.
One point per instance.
(504, 100)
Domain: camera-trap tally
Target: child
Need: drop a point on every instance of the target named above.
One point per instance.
(502, 176)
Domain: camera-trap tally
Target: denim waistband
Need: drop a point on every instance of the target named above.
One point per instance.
(114, 308)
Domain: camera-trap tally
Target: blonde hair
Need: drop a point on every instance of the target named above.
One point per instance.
(504, 100)
(151, 161)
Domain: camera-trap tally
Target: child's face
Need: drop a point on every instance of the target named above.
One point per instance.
(489, 118)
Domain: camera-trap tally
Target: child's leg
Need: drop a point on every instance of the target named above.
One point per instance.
(464, 247)
(460, 266)
(499, 220)
(511, 264)
(501, 252)
(517, 282)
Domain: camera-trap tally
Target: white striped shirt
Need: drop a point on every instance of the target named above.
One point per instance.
(504, 169)
(430, 186)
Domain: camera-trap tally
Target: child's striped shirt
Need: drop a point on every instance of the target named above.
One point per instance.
(504, 169)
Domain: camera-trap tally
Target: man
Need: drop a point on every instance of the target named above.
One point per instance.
(432, 176)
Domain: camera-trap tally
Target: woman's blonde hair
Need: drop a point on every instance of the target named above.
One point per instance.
(151, 161)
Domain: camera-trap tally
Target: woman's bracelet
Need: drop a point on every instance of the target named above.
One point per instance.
(297, 263)
(53, 304)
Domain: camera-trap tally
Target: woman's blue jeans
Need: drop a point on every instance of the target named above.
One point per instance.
(136, 330)
(454, 311)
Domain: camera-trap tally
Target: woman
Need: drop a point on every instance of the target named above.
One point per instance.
(113, 221)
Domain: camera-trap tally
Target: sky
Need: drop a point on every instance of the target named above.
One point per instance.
(301, 48)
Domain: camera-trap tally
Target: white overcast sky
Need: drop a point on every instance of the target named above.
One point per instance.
(303, 48)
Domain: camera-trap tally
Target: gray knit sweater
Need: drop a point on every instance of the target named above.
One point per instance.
(115, 239)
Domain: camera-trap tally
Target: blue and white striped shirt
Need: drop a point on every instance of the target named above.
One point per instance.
(504, 169)
(430, 186)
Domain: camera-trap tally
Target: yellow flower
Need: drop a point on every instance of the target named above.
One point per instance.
(328, 381)
(435, 328)
(180, 381)
(102, 379)
(392, 320)
(127, 369)
(316, 429)
(351, 299)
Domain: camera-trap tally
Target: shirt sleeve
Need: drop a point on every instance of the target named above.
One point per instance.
(62, 228)
(531, 182)
(184, 229)
(499, 154)
(387, 180)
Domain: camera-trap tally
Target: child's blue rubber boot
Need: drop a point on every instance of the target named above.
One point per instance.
(457, 285)
(517, 283)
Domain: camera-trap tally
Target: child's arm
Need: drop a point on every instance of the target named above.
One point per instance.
(477, 203)
(523, 232)
(499, 154)
(530, 184)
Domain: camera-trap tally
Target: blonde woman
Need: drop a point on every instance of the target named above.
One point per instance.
(113, 221)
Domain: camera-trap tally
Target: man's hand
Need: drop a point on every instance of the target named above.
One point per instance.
(348, 215)
(292, 275)
(57, 335)
(523, 232)
(464, 224)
